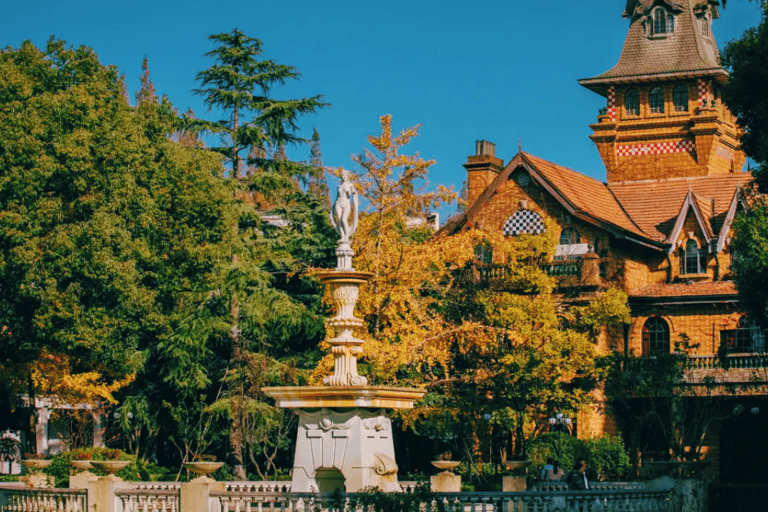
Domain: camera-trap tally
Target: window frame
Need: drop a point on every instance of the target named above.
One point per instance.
(573, 232)
(691, 259)
(654, 106)
(656, 336)
(661, 22)
(634, 94)
(680, 104)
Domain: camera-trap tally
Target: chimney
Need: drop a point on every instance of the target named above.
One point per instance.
(482, 168)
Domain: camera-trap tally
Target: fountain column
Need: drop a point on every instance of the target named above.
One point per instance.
(345, 434)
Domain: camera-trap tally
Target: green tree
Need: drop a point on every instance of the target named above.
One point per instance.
(747, 60)
(272, 305)
(109, 227)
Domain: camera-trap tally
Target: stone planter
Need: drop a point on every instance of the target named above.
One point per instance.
(202, 469)
(517, 481)
(446, 481)
(81, 465)
(36, 464)
(110, 466)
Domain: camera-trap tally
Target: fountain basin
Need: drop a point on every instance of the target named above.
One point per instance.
(377, 397)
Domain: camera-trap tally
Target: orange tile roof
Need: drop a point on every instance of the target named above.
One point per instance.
(695, 289)
(585, 194)
(654, 204)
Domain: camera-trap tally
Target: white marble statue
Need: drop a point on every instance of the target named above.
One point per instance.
(345, 209)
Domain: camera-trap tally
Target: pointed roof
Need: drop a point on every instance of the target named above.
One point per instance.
(656, 204)
(695, 204)
(650, 212)
(737, 200)
(683, 53)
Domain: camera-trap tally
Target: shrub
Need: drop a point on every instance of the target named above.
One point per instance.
(608, 457)
(546, 445)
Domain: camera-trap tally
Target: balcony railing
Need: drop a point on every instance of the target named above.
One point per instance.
(734, 361)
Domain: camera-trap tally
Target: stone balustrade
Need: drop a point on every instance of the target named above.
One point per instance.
(735, 361)
(149, 500)
(211, 496)
(19, 499)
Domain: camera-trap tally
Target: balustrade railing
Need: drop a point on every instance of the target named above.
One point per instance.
(18, 499)
(149, 500)
(625, 500)
(250, 497)
(736, 361)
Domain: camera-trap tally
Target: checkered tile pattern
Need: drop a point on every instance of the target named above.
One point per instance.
(524, 222)
(612, 103)
(703, 92)
(655, 148)
(722, 152)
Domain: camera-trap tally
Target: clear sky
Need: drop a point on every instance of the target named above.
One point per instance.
(498, 70)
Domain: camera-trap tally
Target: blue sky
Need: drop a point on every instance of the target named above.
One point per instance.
(500, 70)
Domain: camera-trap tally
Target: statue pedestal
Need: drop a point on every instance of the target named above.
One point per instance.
(344, 440)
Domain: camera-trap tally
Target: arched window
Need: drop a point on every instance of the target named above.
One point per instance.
(655, 336)
(656, 100)
(692, 261)
(663, 22)
(524, 222)
(632, 102)
(680, 98)
(569, 236)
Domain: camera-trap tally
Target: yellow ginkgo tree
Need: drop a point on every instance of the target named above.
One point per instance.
(491, 360)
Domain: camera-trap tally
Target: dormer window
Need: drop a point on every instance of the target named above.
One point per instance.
(662, 22)
(704, 22)
(692, 261)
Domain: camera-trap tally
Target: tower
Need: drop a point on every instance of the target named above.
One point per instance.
(664, 116)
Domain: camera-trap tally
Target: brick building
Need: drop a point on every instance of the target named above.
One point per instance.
(659, 227)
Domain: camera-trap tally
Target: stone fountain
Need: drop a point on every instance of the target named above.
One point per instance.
(345, 434)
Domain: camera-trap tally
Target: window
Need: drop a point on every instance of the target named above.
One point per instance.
(704, 25)
(632, 102)
(655, 336)
(656, 100)
(569, 236)
(692, 261)
(680, 98)
(524, 222)
(484, 253)
(747, 337)
(662, 22)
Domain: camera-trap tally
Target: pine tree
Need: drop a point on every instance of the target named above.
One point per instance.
(284, 232)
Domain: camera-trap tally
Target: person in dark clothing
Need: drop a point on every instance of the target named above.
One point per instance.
(577, 478)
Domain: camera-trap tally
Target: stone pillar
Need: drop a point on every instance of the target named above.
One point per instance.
(82, 480)
(514, 484)
(98, 431)
(101, 493)
(590, 269)
(195, 495)
(41, 428)
(445, 482)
